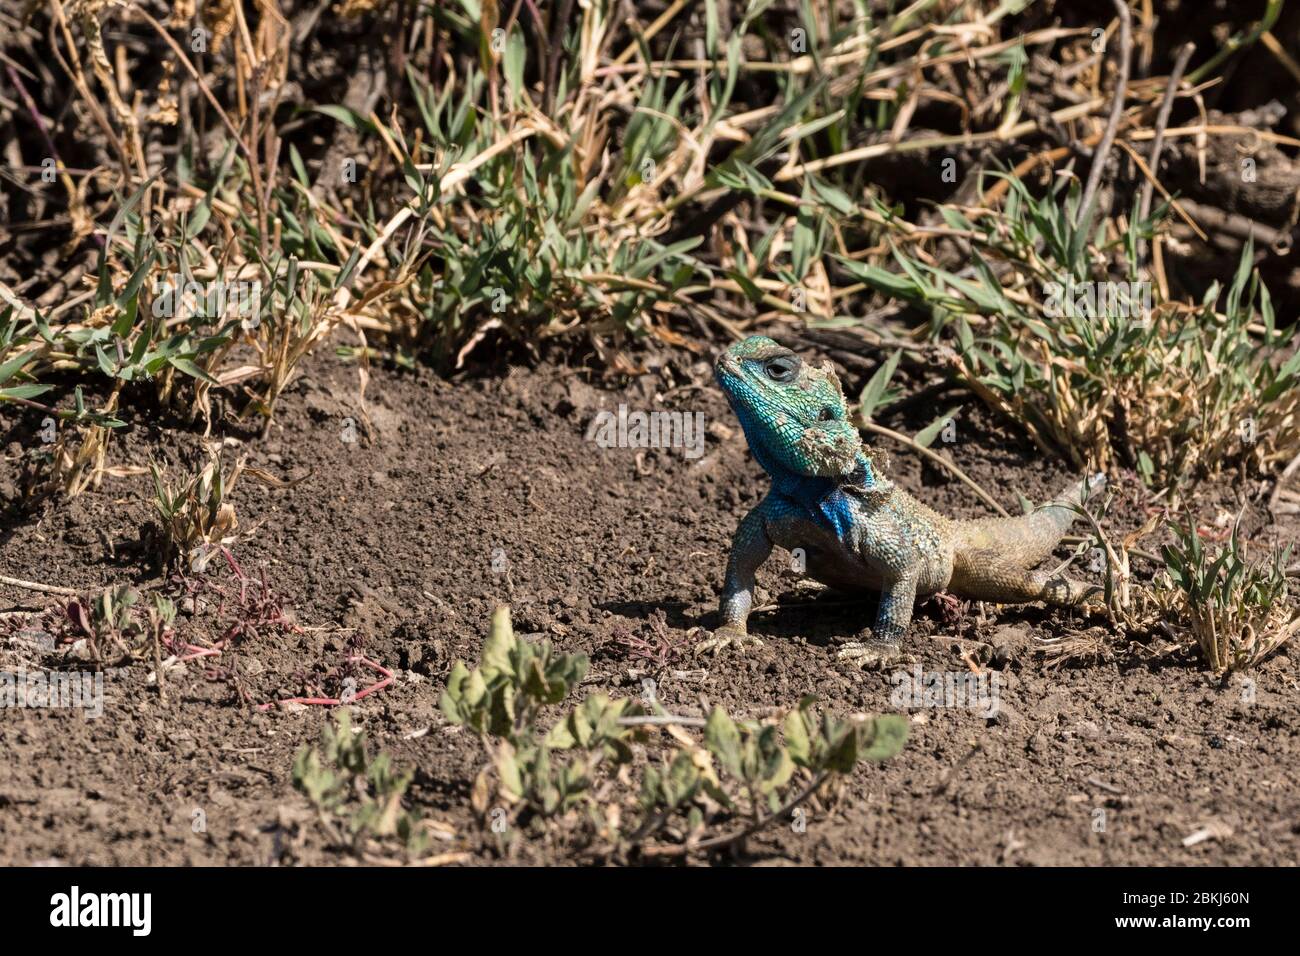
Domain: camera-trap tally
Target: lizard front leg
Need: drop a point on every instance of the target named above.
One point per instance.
(897, 596)
(750, 547)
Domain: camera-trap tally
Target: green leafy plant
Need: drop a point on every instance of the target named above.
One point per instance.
(501, 699)
(357, 797)
(197, 516)
(1236, 611)
(534, 250)
(115, 626)
(169, 316)
(1052, 329)
(758, 770)
(113, 623)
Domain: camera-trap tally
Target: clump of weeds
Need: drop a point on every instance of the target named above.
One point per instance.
(603, 769)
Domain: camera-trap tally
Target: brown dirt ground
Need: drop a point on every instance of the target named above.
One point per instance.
(388, 547)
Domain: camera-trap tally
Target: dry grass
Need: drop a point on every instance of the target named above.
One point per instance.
(534, 177)
(197, 515)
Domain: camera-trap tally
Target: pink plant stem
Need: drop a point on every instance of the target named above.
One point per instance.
(334, 701)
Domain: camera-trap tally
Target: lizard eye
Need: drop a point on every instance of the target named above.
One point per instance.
(827, 414)
(783, 368)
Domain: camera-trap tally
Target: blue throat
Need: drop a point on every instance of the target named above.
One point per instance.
(822, 498)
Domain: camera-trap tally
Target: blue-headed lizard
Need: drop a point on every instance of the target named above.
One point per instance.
(858, 530)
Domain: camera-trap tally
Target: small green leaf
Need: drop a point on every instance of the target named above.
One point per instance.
(875, 393)
(499, 644)
(508, 770)
(926, 436)
(15, 365)
(796, 737)
(24, 391)
(188, 367)
(723, 740)
(513, 61)
(347, 117)
(887, 736)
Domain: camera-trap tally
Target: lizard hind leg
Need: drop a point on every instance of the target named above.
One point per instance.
(984, 576)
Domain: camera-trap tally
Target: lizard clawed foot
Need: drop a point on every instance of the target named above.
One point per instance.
(727, 636)
(873, 655)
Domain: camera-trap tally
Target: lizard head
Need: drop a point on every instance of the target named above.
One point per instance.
(794, 414)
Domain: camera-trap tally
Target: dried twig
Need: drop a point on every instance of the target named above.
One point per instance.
(1162, 120)
(1084, 218)
(938, 459)
(34, 586)
(717, 843)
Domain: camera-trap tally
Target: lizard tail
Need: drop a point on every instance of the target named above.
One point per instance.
(1028, 539)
